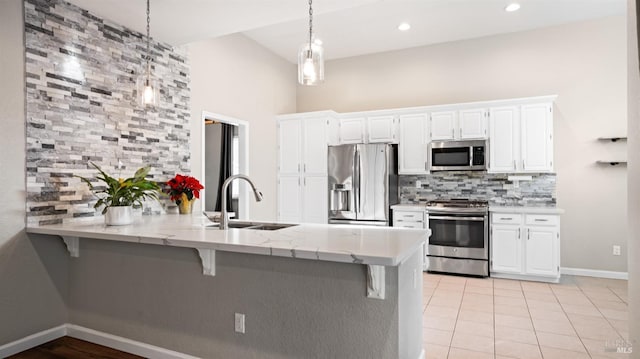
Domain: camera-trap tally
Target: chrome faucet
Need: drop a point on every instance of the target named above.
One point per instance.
(224, 217)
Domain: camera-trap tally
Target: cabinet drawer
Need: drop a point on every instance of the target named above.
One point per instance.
(408, 216)
(418, 225)
(542, 220)
(506, 218)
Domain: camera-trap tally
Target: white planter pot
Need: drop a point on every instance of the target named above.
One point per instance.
(119, 216)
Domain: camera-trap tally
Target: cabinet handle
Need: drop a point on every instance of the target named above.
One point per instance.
(528, 234)
(460, 132)
(519, 233)
(524, 165)
(540, 220)
(298, 167)
(514, 164)
(453, 133)
(304, 168)
(505, 218)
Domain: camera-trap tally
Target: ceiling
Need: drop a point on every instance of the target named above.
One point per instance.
(347, 27)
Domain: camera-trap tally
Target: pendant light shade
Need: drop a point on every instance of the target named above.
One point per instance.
(310, 58)
(146, 86)
(310, 64)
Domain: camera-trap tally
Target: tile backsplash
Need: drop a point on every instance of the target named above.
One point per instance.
(81, 107)
(477, 185)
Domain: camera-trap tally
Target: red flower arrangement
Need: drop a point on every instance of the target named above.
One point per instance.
(183, 184)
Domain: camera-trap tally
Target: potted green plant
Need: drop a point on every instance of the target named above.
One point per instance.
(119, 196)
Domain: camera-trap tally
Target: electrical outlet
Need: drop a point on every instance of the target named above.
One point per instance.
(616, 250)
(239, 323)
(418, 184)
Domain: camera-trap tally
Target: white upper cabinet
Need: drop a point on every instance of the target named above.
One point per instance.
(443, 125)
(412, 144)
(314, 146)
(472, 124)
(521, 138)
(382, 129)
(537, 138)
(352, 130)
(290, 155)
(302, 146)
(503, 139)
(466, 124)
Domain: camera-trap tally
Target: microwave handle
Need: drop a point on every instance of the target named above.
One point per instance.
(470, 155)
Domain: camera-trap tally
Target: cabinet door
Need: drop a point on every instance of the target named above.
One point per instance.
(289, 154)
(382, 129)
(503, 139)
(314, 199)
(472, 124)
(536, 141)
(443, 125)
(541, 248)
(352, 130)
(506, 249)
(412, 144)
(314, 146)
(289, 199)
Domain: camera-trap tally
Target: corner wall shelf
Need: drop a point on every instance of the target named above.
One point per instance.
(612, 139)
(612, 163)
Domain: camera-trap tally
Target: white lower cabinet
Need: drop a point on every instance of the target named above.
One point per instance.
(525, 246)
(302, 199)
(413, 218)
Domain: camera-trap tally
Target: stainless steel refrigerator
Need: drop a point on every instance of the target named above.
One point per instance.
(363, 183)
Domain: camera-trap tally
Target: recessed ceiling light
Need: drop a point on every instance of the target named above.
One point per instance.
(404, 26)
(317, 42)
(512, 7)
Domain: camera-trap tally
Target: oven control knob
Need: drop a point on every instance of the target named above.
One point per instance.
(455, 249)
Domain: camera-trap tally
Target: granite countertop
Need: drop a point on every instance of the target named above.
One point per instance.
(335, 243)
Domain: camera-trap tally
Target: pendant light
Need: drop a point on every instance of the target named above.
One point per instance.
(311, 58)
(147, 86)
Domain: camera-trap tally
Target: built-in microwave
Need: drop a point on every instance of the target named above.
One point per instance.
(457, 155)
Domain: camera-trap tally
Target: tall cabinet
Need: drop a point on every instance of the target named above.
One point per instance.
(302, 169)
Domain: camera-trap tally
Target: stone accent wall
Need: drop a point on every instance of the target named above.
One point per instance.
(81, 76)
(477, 185)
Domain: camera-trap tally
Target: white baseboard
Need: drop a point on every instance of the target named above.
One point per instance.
(93, 336)
(594, 273)
(33, 340)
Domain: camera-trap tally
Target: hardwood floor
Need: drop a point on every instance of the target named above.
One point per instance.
(71, 348)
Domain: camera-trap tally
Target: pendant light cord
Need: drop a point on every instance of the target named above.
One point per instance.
(310, 54)
(148, 41)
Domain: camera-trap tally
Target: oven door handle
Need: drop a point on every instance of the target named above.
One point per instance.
(451, 218)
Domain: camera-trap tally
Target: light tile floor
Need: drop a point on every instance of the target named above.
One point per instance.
(468, 318)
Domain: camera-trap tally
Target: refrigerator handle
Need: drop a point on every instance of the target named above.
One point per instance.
(356, 180)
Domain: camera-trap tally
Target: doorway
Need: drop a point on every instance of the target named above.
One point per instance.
(225, 150)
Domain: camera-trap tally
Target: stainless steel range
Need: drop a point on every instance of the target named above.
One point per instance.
(459, 241)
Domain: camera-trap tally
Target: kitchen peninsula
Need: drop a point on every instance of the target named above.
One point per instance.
(331, 291)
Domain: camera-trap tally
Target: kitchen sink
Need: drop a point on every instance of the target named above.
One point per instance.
(260, 226)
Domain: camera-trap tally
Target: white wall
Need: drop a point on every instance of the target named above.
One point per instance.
(634, 179)
(236, 77)
(583, 63)
(33, 286)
